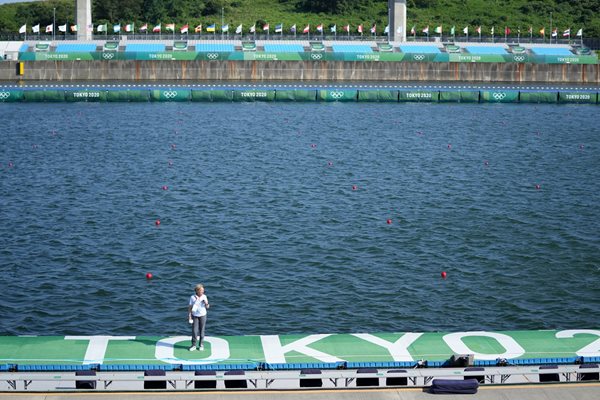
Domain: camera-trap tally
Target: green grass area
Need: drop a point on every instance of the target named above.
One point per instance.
(515, 14)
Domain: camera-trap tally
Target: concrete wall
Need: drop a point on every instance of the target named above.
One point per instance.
(301, 71)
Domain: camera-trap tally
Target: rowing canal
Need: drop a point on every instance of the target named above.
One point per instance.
(282, 211)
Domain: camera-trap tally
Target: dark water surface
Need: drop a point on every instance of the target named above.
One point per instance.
(260, 207)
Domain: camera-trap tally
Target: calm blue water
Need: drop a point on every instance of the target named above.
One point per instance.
(260, 207)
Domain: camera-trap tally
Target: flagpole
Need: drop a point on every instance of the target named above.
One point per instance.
(53, 23)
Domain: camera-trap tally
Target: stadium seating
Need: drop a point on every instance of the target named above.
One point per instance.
(423, 49)
(551, 51)
(75, 47)
(351, 48)
(486, 50)
(214, 47)
(283, 48)
(145, 47)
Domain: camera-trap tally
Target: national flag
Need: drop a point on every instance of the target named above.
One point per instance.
(198, 29)
(413, 30)
(238, 30)
(478, 30)
(438, 29)
(293, 28)
(466, 30)
(530, 31)
(265, 27)
(184, 29)
(170, 27)
(453, 30)
(129, 28)
(225, 28)
(306, 29)
(49, 28)
(492, 30)
(387, 30)
(567, 32)
(74, 28)
(157, 28)
(253, 28)
(320, 28)
(543, 31)
(347, 28)
(374, 29)
(426, 30)
(580, 32)
(360, 28)
(279, 28)
(507, 30)
(23, 29)
(62, 28)
(555, 32)
(144, 28)
(211, 28)
(35, 28)
(117, 28)
(333, 29)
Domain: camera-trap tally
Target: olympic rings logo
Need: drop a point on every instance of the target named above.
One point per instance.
(212, 56)
(316, 56)
(499, 96)
(108, 56)
(336, 95)
(419, 57)
(4, 95)
(519, 58)
(170, 94)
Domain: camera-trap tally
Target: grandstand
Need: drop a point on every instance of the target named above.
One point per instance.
(422, 49)
(487, 50)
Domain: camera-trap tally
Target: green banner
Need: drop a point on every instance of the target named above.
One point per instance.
(419, 95)
(538, 97)
(295, 95)
(254, 95)
(170, 95)
(459, 96)
(11, 95)
(578, 97)
(499, 96)
(85, 95)
(379, 95)
(201, 95)
(337, 95)
(43, 95)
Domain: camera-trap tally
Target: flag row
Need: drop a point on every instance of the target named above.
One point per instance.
(213, 28)
(507, 31)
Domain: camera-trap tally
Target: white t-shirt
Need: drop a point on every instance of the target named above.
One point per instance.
(198, 305)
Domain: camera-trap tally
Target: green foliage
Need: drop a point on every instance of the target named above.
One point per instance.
(574, 14)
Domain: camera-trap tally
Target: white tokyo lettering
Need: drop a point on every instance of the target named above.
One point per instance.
(165, 350)
(97, 347)
(512, 348)
(398, 349)
(275, 353)
(592, 349)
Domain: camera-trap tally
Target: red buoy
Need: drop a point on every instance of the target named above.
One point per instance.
(149, 275)
(354, 187)
(329, 163)
(314, 146)
(165, 187)
(389, 221)
(444, 274)
(157, 222)
(449, 146)
(538, 186)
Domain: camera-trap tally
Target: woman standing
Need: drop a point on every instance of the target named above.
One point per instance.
(197, 316)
